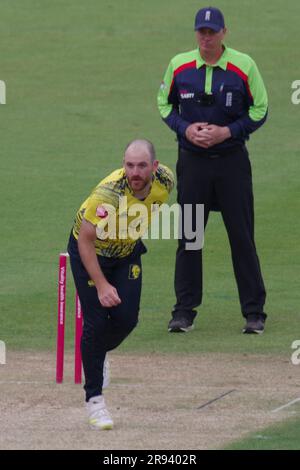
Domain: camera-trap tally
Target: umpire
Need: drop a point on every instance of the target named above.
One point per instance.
(213, 97)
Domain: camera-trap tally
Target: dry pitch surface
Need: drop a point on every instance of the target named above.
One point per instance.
(156, 401)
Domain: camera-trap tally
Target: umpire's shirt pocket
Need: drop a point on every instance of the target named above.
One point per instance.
(232, 101)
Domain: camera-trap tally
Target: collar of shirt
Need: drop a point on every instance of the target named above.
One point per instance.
(222, 62)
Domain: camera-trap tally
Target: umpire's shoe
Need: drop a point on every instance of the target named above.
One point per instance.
(182, 322)
(255, 323)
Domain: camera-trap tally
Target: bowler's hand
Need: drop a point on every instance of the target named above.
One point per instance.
(213, 135)
(108, 295)
(193, 133)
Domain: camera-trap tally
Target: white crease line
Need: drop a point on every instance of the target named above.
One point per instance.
(20, 382)
(285, 406)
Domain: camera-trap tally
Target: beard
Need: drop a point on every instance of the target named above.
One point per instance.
(138, 184)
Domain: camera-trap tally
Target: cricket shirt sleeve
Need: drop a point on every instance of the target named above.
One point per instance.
(258, 105)
(170, 181)
(163, 183)
(101, 206)
(168, 104)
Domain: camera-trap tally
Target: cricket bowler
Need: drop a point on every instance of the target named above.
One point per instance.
(105, 249)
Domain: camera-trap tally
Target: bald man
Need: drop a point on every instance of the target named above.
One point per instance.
(105, 251)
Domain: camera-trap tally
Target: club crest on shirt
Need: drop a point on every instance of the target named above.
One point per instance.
(228, 99)
(134, 271)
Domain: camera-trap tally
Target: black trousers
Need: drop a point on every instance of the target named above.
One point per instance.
(105, 328)
(224, 180)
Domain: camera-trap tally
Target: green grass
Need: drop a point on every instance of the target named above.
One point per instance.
(284, 436)
(81, 82)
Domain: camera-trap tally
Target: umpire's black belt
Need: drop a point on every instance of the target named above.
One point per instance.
(212, 155)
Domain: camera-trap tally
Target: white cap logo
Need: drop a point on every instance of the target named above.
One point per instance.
(207, 15)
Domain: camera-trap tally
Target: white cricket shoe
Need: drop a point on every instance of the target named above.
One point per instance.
(106, 373)
(99, 417)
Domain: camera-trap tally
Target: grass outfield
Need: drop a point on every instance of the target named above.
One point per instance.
(280, 437)
(81, 81)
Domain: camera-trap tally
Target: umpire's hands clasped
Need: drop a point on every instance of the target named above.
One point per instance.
(206, 135)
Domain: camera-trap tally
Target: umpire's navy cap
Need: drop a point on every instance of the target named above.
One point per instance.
(209, 18)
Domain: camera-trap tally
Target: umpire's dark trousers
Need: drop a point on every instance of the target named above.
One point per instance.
(105, 328)
(224, 179)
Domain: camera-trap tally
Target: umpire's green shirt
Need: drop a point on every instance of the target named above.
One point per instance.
(229, 93)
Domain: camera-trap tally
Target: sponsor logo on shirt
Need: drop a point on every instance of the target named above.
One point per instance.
(186, 95)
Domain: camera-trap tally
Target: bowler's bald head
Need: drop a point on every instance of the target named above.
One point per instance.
(141, 147)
